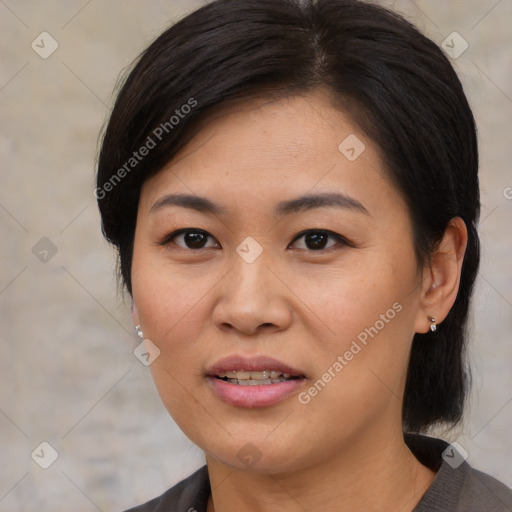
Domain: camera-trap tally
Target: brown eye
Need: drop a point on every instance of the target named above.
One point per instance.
(190, 239)
(317, 240)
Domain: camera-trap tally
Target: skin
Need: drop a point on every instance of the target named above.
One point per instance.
(304, 306)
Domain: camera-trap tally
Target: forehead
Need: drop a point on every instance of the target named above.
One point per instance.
(286, 146)
(306, 125)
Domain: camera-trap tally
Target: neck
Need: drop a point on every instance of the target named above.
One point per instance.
(368, 475)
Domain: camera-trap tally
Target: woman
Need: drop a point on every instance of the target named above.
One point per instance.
(292, 188)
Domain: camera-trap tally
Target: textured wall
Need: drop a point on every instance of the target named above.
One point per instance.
(68, 375)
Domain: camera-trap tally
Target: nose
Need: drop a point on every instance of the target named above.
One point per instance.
(252, 299)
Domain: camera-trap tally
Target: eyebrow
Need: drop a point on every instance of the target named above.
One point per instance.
(288, 207)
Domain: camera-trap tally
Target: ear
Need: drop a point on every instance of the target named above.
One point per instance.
(441, 277)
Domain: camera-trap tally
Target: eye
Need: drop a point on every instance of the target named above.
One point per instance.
(191, 238)
(316, 239)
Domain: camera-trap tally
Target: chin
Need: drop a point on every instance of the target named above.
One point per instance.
(257, 455)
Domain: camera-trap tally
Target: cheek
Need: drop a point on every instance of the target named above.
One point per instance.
(361, 299)
(361, 372)
(168, 297)
(174, 327)
(367, 318)
(172, 306)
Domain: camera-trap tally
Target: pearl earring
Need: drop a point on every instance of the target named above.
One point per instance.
(139, 332)
(433, 325)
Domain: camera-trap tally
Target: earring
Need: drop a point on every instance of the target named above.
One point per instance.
(433, 325)
(139, 332)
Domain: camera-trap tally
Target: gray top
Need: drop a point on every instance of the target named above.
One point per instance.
(457, 487)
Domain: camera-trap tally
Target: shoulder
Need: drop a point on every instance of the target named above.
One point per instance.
(189, 495)
(481, 491)
(457, 487)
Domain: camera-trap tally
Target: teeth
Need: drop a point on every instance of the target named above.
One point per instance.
(259, 378)
(259, 382)
(259, 375)
(254, 382)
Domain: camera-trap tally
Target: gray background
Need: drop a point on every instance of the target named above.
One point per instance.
(68, 374)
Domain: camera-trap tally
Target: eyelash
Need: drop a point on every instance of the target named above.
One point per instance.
(340, 239)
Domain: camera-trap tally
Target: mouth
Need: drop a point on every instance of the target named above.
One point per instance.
(253, 371)
(253, 381)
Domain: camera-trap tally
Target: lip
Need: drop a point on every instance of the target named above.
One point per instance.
(253, 396)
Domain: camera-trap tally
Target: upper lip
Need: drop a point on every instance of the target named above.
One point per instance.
(248, 364)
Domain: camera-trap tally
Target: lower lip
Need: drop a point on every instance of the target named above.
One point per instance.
(254, 396)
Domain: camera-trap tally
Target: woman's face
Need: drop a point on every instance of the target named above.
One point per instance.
(243, 284)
